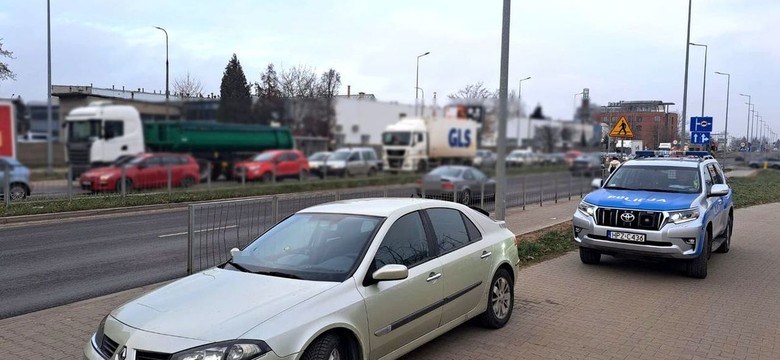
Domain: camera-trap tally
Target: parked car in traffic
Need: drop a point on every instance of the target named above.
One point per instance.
(355, 279)
(570, 156)
(18, 179)
(353, 161)
(144, 171)
(771, 162)
(317, 162)
(520, 157)
(590, 164)
(552, 159)
(469, 183)
(283, 163)
(485, 159)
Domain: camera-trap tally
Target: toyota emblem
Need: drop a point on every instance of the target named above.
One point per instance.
(627, 217)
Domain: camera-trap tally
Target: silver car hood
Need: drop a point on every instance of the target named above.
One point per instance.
(216, 304)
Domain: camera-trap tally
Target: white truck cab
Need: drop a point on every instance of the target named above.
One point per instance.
(100, 133)
(416, 144)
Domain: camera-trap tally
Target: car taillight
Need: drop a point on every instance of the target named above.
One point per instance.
(447, 186)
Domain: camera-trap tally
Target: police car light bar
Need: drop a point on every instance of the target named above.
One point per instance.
(670, 153)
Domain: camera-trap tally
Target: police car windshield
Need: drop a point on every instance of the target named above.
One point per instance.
(656, 178)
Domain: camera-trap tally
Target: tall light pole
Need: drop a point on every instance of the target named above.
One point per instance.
(167, 93)
(49, 125)
(503, 85)
(728, 91)
(684, 132)
(519, 108)
(704, 85)
(417, 82)
(747, 129)
(422, 113)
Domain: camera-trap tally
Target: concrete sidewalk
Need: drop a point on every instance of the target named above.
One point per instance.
(62, 332)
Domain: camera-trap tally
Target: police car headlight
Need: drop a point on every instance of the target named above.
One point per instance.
(587, 209)
(680, 217)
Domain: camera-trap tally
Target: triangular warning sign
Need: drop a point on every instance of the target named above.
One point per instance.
(621, 129)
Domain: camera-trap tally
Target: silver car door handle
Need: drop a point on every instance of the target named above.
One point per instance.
(433, 276)
(485, 254)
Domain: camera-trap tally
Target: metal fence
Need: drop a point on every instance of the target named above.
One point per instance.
(216, 227)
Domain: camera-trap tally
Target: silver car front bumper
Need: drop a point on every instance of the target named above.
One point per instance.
(672, 241)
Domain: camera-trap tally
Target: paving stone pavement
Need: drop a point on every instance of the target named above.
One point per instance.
(622, 309)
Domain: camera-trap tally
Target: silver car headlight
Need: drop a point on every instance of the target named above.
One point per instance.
(684, 216)
(587, 209)
(228, 350)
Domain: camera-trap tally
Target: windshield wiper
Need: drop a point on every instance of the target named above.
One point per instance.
(278, 274)
(618, 188)
(239, 267)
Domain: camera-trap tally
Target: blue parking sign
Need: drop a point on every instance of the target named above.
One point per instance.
(701, 124)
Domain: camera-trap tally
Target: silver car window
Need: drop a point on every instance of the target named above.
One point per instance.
(451, 233)
(404, 244)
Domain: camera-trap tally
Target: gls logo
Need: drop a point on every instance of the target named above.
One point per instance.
(460, 138)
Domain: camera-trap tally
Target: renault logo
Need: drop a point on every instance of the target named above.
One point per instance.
(627, 217)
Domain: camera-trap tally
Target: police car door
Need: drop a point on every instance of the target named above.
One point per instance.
(721, 201)
(713, 212)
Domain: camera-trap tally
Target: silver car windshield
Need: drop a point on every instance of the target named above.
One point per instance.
(319, 247)
(656, 178)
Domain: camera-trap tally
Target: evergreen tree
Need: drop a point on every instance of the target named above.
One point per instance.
(270, 104)
(235, 102)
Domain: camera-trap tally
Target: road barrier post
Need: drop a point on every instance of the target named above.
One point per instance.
(524, 195)
(6, 185)
(170, 179)
(191, 237)
(122, 181)
(570, 181)
(541, 190)
(455, 195)
(243, 176)
(69, 181)
(208, 175)
(273, 173)
(275, 209)
(482, 195)
(555, 182)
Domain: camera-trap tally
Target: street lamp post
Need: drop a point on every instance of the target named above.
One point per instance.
(704, 85)
(519, 110)
(167, 93)
(683, 131)
(728, 91)
(422, 113)
(747, 129)
(417, 82)
(49, 124)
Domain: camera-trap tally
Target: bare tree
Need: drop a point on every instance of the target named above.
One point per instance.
(330, 81)
(5, 71)
(300, 86)
(187, 86)
(298, 82)
(472, 92)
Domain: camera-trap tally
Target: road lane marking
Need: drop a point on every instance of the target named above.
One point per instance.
(198, 231)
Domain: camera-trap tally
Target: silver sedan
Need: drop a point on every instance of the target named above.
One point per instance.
(358, 279)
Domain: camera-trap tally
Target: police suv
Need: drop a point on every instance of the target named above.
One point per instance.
(660, 204)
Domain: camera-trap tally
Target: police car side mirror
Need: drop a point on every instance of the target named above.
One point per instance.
(596, 183)
(719, 190)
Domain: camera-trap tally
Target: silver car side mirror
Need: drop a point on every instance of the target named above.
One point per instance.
(234, 252)
(391, 272)
(719, 190)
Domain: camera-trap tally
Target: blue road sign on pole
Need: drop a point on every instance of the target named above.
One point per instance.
(700, 137)
(701, 124)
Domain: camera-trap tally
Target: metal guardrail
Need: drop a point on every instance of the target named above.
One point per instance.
(216, 227)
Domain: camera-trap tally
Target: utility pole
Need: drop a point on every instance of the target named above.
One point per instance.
(683, 132)
(502, 115)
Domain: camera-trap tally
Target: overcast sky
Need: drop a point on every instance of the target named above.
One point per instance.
(619, 49)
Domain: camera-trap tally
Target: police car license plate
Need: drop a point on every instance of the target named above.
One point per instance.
(619, 235)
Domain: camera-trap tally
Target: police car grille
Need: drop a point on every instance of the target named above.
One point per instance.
(641, 220)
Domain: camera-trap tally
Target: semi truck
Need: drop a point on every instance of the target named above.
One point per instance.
(102, 133)
(417, 144)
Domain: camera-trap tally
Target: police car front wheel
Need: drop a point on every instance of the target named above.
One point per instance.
(589, 256)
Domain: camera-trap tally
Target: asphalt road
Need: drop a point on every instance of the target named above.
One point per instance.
(59, 262)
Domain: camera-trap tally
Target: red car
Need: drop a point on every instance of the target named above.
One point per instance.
(288, 164)
(144, 171)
